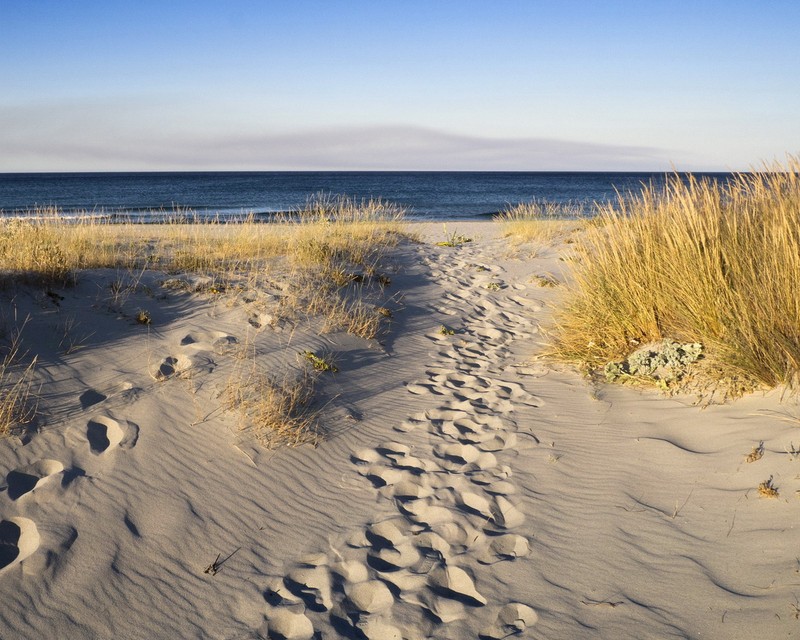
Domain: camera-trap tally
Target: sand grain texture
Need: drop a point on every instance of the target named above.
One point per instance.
(465, 489)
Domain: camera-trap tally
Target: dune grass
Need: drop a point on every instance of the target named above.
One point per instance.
(328, 254)
(695, 262)
(277, 411)
(327, 233)
(16, 406)
(538, 222)
(318, 249)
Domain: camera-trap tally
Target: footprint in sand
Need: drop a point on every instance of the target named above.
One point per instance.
(105, 434)
(172, 366)
(453, 502)
(287, 624)
(218, 341)
(512, 620)
(90, 397)
(123, 391)
(19, 538)
(455, 583)
(25, 479)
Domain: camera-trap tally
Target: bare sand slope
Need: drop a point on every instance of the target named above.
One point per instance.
(465, 489)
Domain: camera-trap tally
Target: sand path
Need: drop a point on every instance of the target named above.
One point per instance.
(447, 517)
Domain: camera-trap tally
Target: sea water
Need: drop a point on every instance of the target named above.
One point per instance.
(146, 197)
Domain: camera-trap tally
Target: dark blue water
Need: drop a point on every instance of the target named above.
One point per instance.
(228, 195)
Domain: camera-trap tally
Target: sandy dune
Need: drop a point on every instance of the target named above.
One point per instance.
(465, 489)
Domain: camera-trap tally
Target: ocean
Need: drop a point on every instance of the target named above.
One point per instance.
(228, 196)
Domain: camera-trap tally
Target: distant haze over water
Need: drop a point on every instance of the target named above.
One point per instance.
(229, 195)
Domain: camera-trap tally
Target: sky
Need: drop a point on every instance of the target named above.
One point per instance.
(398, 85)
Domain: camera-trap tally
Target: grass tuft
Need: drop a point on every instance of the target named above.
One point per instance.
(696, 262)
(454, 239)
(277, 411)
(538, 222)
(16, 406)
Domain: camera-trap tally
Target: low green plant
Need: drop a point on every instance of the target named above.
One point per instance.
(453, 240)
(319, 363)
(664, 362)
(446, 331)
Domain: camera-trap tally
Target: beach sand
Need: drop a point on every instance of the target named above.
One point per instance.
(464, 487)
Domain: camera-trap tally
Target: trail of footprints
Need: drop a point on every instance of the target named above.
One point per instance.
(454, 507)
(102, 435)
(454, 511)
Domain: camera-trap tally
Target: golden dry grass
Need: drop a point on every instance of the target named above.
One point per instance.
(696, 262)
(318, 249)
(277, 411)
(538, 222)
(351, 310)
(329, 255)
(326, 233)
(16, 407)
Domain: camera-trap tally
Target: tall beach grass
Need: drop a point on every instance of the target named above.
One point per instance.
(696, 261)
(539, 222)
(17, 406)
(326, 233)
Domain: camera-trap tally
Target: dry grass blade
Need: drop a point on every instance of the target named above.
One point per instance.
(539, 222)
(276, 410)
(16, 406)
(697, 261)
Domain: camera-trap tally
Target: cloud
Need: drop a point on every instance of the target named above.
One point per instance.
(405, 147)
(96, 138)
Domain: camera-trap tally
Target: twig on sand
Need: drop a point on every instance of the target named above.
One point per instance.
(601, 603)
(679, 509)
(215, 567)
(733, 522)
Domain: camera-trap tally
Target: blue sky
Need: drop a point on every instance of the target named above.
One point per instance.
(432, 85)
